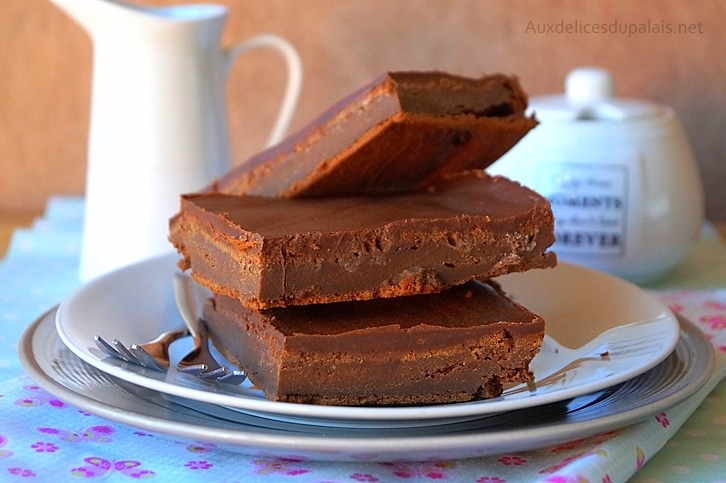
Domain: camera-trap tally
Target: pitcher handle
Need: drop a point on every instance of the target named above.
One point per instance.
(294, 78)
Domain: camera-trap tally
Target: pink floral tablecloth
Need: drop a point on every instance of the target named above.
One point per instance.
(43, 438)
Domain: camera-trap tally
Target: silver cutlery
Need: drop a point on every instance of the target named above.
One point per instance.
(199, 361)
(154, 355)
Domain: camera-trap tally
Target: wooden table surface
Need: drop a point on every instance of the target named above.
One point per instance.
(9, 221)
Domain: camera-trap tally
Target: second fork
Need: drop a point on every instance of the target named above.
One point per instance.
(199, 361)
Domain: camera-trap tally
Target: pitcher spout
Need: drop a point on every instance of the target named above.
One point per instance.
(98, 15)
(93, 15)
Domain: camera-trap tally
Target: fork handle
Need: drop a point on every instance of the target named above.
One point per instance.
(200, 354)
(167, 338)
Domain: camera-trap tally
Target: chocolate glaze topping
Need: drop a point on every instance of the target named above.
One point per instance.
(399, 133)
(346, 262)
(271, 252)
(459, 345)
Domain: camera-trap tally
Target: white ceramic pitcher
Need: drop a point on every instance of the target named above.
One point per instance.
(158, 119)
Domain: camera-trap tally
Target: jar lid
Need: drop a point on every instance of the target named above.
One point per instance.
(590, 95)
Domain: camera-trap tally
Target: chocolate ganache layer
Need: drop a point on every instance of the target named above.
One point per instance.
(399, 133)
(460, 345)
(274, 252)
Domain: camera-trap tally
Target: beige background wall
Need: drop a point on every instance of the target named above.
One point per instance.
(45, 68)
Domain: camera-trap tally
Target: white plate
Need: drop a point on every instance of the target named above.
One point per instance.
(605, 315)
(60, 372)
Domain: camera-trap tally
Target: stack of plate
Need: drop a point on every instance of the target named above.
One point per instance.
(613, 355)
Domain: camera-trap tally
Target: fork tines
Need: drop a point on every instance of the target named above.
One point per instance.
(134, 355)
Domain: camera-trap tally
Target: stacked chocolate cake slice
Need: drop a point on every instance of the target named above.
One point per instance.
(352, 263)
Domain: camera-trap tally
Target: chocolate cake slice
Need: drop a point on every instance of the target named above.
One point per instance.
(274, 252)
(460, 345)
(400, 133)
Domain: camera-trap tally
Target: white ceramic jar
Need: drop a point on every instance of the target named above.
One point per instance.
(620, 174)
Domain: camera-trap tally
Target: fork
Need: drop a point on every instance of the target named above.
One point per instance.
(152, 355)
(199, 361)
